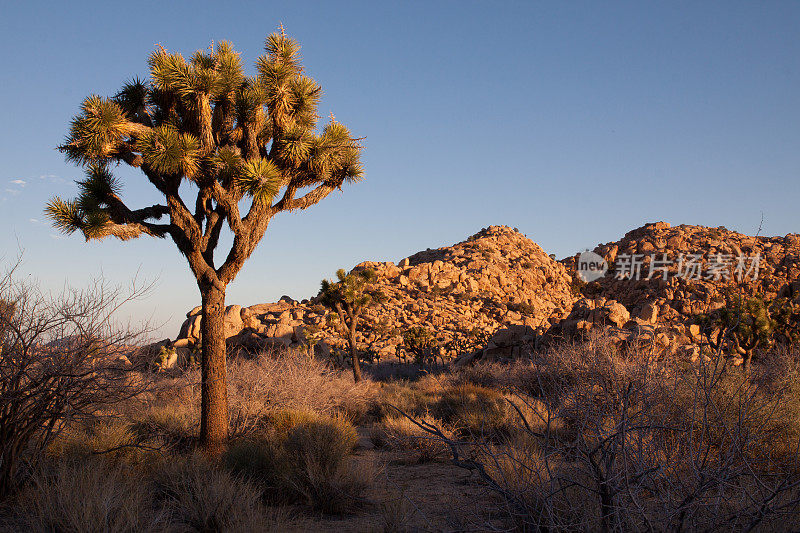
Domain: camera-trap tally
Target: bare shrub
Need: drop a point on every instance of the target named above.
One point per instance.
(63, 359)
(623, 443)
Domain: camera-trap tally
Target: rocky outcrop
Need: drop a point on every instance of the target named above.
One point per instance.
(498, 284)
(678, 299)
(683, 272)
(496, 278)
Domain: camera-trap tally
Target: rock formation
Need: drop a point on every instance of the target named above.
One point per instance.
(496, 278)
(499, 284)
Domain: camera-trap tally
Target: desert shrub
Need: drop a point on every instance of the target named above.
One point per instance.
(281, 422)
(399, 396)
(396, 515)
(578, 286)
(197, 496)
(481, 374)
(291, 380)
(624, 443)
(523, 308)
(400, 433)
(475, 410)
(317, 459)
(60, 363)
(163, 356)
(77, 496)
(421, 343)
(258, 460)
(760, 416)
(306, 458)
(169, 414)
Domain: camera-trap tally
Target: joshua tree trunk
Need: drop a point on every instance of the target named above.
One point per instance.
(214, 398)
(354, 350)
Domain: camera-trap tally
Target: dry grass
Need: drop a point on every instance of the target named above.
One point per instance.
(614, 441)
(80, 496)
(258, 389)
(293, 380)
(550, 435)
(197, 496)
(183, 494)
(401, 434)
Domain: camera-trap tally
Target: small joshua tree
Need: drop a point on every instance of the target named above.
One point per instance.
(786, 315)
(244, 147)
(349, 297)
(421, 343)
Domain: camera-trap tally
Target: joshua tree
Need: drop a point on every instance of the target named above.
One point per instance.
(746, 323)
(349, 297)
(422, 343)
(229, 138)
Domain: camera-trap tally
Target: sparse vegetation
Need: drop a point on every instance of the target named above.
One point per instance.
(421, 343)
(60, 363)
(582, 437)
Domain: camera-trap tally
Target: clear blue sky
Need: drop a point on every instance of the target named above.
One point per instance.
(573, 121)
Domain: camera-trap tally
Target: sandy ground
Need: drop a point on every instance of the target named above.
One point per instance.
(412, 497)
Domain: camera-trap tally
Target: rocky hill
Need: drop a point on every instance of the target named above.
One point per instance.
(495, 278)
(769, 266)
(498, 280)
(683, 272)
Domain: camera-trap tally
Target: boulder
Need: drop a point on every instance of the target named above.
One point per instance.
(616, 313)
(249, 342)
(649, 313)
(233, 320)
(514, 335)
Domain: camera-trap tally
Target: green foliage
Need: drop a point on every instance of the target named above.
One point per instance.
(202, 119)
(163, 356)
(522, 308)
(786, 321)
(354, 290)
(577, 286)
(167, 150)
(348, 297)
(744, 324)
(468, 341)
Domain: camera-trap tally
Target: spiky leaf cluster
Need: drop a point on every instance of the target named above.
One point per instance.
(355, 290)
(233, 136)
(746, 322)
(786, 316)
